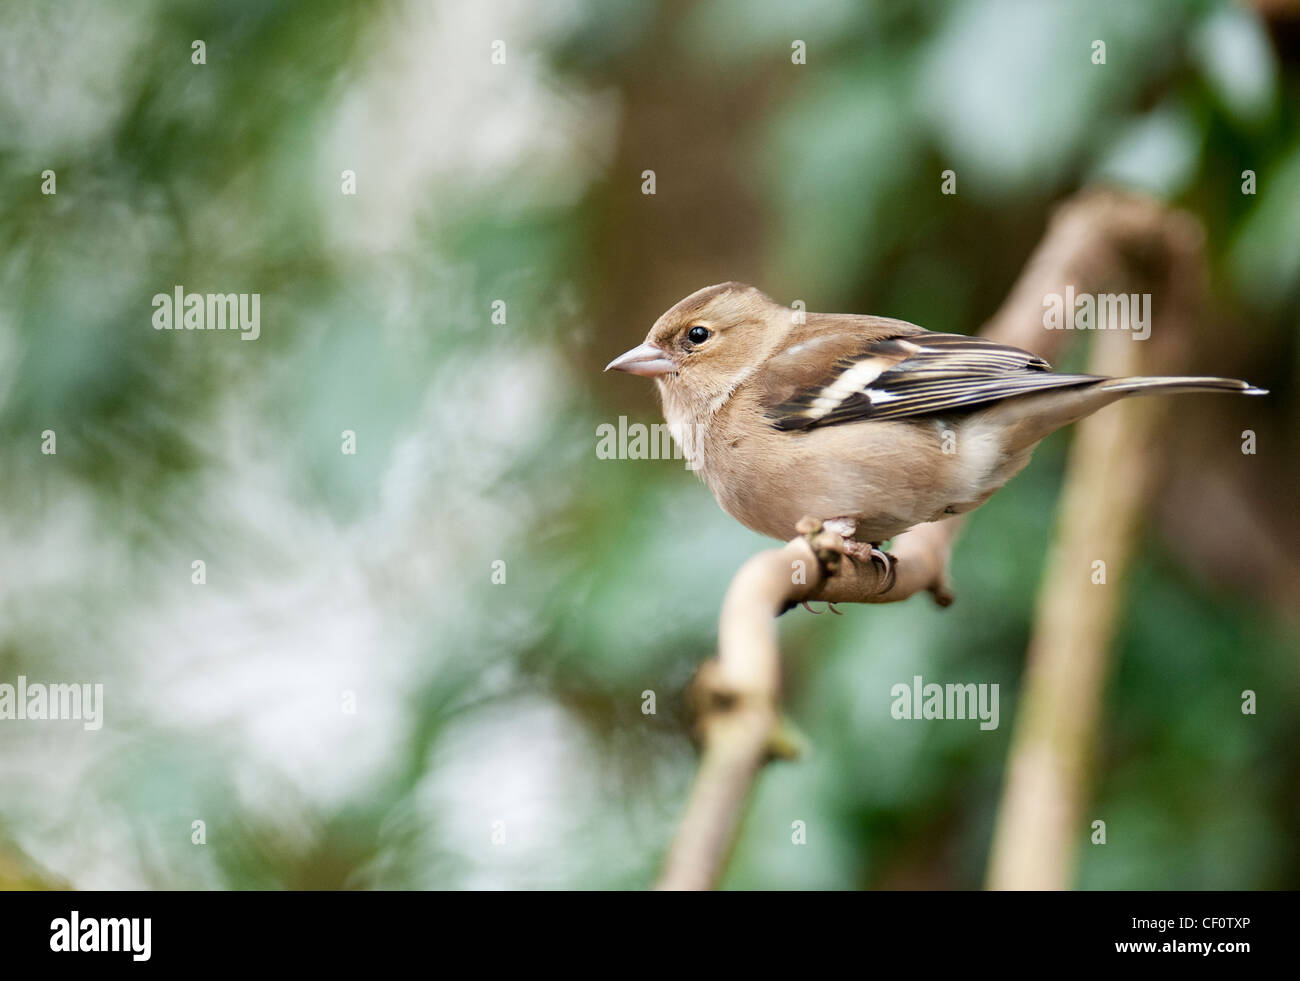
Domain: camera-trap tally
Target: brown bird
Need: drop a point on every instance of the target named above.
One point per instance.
(871, 425)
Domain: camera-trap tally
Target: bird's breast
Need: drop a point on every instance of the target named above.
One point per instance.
(886, 475)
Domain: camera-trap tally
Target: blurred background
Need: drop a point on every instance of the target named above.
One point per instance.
(351, 700)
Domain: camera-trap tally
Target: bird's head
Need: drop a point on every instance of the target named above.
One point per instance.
(708, 342)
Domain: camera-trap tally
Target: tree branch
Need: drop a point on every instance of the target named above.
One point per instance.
(1114, 462)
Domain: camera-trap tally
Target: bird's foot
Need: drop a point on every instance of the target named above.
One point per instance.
(870, 552)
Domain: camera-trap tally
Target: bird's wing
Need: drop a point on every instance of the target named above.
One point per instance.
(826, 380)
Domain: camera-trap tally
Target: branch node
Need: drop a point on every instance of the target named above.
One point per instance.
(786, 741)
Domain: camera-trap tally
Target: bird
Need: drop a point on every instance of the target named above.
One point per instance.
(867, 424)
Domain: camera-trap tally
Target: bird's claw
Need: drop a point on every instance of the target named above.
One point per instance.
(830, 606)
(870, 552)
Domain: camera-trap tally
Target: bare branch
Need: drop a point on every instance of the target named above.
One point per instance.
(1113, 464)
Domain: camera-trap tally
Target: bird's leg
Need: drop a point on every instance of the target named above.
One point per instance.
(846, 528)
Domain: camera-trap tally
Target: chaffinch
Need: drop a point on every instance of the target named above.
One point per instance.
(871, 425)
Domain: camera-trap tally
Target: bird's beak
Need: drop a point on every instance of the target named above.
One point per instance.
(645, 360)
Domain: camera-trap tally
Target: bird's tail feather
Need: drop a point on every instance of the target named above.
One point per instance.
(1187, 383)
(1026, 420)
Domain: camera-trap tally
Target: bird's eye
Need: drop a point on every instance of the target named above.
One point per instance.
(698, 334)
